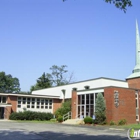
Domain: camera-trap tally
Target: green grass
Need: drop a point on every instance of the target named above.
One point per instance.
(36, 121)
(135, 126)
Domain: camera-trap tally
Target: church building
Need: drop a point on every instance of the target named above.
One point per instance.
(122, 98)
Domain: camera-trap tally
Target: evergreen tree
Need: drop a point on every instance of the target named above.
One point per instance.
(42, 82)
(100, 108)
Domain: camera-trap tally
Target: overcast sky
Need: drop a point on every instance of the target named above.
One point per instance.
(91, 37)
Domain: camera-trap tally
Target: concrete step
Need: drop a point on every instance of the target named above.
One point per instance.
(73, 121)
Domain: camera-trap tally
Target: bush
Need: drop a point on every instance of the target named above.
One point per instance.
(112, 123)
(88, 120)
(65, 108)
(60, 119)
(31, 115)
(100, 109)
(122, 122)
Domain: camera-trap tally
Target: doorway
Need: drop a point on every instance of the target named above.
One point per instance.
(1, 112)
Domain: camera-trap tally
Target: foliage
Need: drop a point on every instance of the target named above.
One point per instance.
(31, 115)
(122, 122)
(88, 120)
(55, 78)
(112, 123)
(42, 82)
(8, 84)
(65, 108)
(121, 4)
(100, 108)
(60, 119)
(58, 73)
(25, 92)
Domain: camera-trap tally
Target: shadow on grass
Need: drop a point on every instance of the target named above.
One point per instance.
(49, 135)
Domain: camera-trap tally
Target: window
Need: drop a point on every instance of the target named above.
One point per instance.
(24, 101)
(50, 104)
(19, 102)
(3, 99)
(38, 103)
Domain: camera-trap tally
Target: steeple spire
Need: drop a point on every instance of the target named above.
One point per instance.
(137, 45)
(136, 71)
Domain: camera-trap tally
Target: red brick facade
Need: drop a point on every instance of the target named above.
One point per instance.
(74, 104)
(134, 83)
(9, 109)
(125, 110)
(127, 105)
(56, 104)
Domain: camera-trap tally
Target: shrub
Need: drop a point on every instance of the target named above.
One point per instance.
(65, 108)
(112, 123)
(88, 120)
(100, 109)
(31, 115)
(122, 122)
(60, 119)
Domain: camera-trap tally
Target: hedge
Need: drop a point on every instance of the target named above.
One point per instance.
(31, 115)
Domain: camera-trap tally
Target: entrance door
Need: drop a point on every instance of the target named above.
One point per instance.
(1, 112)
(81, 111)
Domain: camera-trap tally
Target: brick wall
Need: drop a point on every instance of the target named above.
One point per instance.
(56, 104)
(9, 109)
(13, 101)
(74, 103)
(127, 106)
(134, 83)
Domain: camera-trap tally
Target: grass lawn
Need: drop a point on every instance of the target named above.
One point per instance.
(135, 126)
(37, 121)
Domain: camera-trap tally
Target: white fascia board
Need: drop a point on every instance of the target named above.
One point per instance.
(90, 91)
(5, 105)
(30, 95)
(4, 94)
(23, 95)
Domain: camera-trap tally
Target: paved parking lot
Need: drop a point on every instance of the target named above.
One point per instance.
(41, 131)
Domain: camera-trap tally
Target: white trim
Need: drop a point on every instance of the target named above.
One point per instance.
(90, 91)
(5, 105)
(30, 95)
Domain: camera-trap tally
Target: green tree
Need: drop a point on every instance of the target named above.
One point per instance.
(8, 84)
(57, 77)
(58, 73)
(42, 82)
(121, 4)
(100, 108)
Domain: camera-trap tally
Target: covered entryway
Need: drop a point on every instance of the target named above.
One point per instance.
(86, 105)
(1, 112)
(5, 111)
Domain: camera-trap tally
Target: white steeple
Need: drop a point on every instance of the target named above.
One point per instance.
(136, 71)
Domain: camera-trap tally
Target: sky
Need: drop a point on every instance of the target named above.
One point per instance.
(93, 38)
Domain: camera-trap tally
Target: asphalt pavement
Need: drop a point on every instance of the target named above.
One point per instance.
(11, 130)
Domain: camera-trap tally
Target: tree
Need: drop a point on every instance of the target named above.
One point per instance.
(100, 108)
(58, 75)
(121, 4)
(42, 82)
(8, 84)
